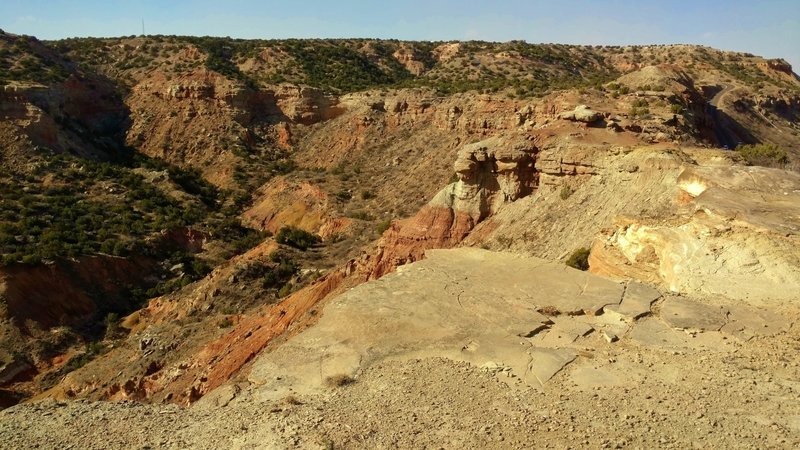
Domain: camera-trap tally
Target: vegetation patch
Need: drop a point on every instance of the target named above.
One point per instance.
(297, 238)
(639, 108)
(24, 58)
(360, 215)
(335, 66)
(579, 259)
(68, 207)
(84, 208)
(518, 68)
(219, 53)
(769, 155)
(383, 226)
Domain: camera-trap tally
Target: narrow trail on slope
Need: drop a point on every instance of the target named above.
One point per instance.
(723, 136)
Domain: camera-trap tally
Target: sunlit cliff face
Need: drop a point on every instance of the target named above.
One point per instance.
(672, 247)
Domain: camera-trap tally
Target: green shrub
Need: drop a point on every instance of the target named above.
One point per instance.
(297, 238)
(639, 108)
(383, 226)
(566, 192)
(93, 350)
(31, 259)
(360, 215)
(769, 155)
(287, 289)
(579, 259)
(112, 325)
(639, 112)
(343, 196)
(278, 276)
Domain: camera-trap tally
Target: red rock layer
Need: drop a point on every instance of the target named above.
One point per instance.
(402, 243)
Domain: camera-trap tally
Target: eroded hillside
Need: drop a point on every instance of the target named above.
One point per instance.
(183, 215)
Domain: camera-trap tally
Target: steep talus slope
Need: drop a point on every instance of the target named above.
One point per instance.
(44, 307)
(171, 330)
(301, 204)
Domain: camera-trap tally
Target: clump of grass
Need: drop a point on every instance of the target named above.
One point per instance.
(292, 400)
(549, 311)
(639, 108)
(566, 192)
(383, 226)
(360, 215)
(339, 380)
(287, 289)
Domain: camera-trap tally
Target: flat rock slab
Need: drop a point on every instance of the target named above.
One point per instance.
(652, 332)
(655, 333)
(746, 323)
(464, 304)
(546, 362)
(636, 301)
(564, 332)
(682, 313)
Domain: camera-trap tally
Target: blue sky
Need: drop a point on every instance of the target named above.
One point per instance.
(769, 28)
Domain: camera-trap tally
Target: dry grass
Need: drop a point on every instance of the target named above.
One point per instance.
(549, 311)
(292, 400)
(339, 380)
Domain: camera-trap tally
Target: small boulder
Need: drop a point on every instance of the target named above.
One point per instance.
(610, 336)
(582, 113)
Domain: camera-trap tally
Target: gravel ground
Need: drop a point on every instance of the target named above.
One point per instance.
(745, 400)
